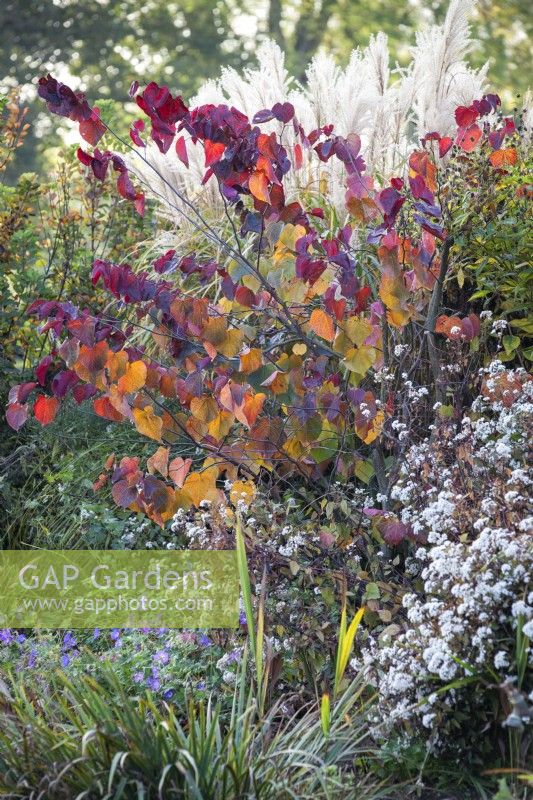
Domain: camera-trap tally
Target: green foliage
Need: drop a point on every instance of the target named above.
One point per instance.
(90, 738)
(494, 266)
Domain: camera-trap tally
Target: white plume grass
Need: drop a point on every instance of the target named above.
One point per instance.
(389, 109)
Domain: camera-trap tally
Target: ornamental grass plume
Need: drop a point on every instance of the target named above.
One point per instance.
(390, 109)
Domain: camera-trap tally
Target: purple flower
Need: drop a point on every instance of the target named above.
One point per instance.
(21, 638)
(6, 637)
(65, 660)
(138, 677)
(167, 694)
(32, 658)
(234, 657)
(161, 657)
(96, 633)
(200, 685)
(242, 618)
(153, 681)
(204, 640)
(115, 634)
(68, 641)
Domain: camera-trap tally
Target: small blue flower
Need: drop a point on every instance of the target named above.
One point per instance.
(138, 677)
(65, 660)
(168, 694)
(32, 658)
(204, 640)
(115, 634)
(96, 633)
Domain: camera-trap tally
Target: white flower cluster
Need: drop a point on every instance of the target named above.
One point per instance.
(292, 543)
(466, 494)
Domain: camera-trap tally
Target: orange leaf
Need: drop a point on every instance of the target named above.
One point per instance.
(178, 469)
(242, 492)
(420, 163)
(213, 151)
(503, 158)
(134, 377)
(148, 423)
(219, 427)
(117, 364)
(251, 359)
(158, 462)
(322, 324)
(447, 325)
(371, 429)
(258, 185)
(277, 382)
(363, 209)
(216, 333)
(394, 294)
(45, 409)
(103, 407)
(119, 402)
(167, 385)
(204, 409)
(210, 349)
(201, 486)
(91, 363)
(253, 405)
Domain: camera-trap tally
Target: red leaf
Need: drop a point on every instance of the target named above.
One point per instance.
(245, 297)
(125, 187)
(42, 369)
(140, 204)
(92, 129)
(465, 116)
(444, 145)
(135, 130)
(45, 409)
(298, 157)
(81, 393)
(181, 150)
(468, 138)
(213, 151)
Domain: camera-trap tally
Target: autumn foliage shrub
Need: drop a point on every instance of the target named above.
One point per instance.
(335, 379)
(272, 361)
